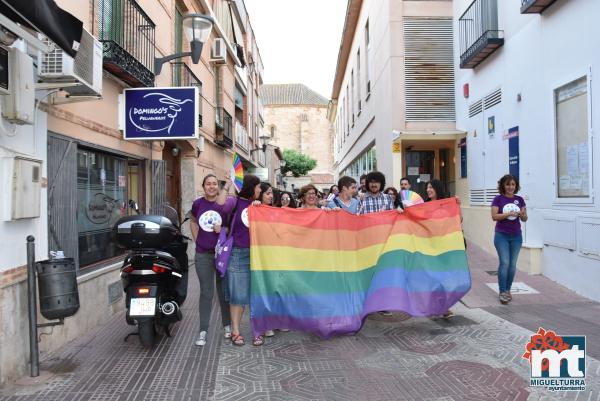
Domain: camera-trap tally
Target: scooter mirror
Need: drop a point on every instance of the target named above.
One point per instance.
(133, 205)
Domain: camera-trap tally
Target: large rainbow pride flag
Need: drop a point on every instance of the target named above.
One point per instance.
(324, 272)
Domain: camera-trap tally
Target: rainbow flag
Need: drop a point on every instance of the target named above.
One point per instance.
(324, 272)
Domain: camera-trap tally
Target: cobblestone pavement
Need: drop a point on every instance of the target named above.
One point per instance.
(475, 355)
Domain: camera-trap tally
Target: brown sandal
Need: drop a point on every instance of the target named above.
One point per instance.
(258, 341)
(237, 339)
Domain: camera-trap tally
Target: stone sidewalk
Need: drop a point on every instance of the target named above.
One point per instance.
(473, 356)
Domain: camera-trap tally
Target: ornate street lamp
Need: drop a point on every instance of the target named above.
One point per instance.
(196, 28)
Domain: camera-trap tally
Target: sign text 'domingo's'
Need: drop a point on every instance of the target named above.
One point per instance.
(161, 113)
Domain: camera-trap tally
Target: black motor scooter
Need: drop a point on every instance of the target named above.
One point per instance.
(154, 273)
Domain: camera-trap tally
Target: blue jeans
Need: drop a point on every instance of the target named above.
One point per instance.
(508, 247)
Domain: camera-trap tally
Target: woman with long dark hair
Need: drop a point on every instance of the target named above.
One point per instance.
(393, 193)
(205, 224)
(286, 200)
(435, 190)
(266, 194)
(237, 275)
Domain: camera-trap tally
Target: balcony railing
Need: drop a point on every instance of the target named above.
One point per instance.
(535, 6)
(241, 135)
(479, 34)
(184, 76)
(224, 128)
(127, 36)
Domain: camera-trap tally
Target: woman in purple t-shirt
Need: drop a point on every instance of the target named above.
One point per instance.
(237, 276)
(508, 210)
(208, 216)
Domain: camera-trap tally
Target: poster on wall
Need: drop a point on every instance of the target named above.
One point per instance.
(513, 151)
(161, 113)
(491, 125)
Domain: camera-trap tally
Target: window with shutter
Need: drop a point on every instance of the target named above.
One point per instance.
(429, 69)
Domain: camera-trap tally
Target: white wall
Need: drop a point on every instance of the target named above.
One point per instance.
(31, 142)
(374, 120)
(541, 53)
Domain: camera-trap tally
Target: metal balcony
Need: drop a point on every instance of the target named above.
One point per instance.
(535, 6)
(127, 35)
(479, 33)
(241, 136)
(224, 128)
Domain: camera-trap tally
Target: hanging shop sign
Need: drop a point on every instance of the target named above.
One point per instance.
(161, 113)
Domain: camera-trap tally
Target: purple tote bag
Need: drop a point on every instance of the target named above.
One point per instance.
(223, 251)
(225, 245)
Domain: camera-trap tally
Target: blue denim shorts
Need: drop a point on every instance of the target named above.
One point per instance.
(237, 278)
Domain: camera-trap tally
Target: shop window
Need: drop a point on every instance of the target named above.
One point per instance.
(573, 152)
(102, 199)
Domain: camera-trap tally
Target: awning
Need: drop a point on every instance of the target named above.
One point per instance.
(46, 17)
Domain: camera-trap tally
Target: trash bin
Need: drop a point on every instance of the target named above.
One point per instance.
(57, 283)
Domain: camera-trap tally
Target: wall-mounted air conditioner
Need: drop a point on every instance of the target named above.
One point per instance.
(219, 51)
(18, 106)
(85, 70)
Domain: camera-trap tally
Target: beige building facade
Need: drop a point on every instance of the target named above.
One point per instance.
(393, 93)
(89, 173)
(296, 118)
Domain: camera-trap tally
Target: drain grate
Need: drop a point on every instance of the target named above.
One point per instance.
(492, 272)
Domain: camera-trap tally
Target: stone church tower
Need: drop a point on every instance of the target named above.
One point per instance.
(296, 118)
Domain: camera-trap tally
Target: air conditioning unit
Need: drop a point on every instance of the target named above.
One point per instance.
(18, 106)
(219, 51)
(85, 70)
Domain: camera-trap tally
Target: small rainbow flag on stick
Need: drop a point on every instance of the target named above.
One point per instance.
(325, 272)
(237, 172)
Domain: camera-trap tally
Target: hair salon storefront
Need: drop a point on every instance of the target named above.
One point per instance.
(90, 188)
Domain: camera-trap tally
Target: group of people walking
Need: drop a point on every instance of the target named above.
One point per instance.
(217, 210)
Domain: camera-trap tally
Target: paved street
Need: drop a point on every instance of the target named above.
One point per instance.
(473, 356)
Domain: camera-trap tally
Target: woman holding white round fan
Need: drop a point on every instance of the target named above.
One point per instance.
(206, 222)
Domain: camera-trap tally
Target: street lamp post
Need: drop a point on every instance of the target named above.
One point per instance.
(196, 27)
(280, 176)
(264, 139)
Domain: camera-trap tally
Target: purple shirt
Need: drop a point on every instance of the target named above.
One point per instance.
(241, 234)
(511, 225)
(207, 214)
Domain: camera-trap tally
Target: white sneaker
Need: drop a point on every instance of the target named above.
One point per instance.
(269, 333)
(201, 340)
(227, 333)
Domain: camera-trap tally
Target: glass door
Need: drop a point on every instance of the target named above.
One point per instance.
(420, 168)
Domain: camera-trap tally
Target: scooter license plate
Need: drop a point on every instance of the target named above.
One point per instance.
(142, 307)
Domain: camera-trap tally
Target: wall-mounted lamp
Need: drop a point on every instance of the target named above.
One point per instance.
(264, 139)
(175, 151)
(197, 28)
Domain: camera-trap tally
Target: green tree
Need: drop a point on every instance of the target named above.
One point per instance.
(297, 163)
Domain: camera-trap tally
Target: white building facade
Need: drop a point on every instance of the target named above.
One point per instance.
(392, 102)
(524, 95)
